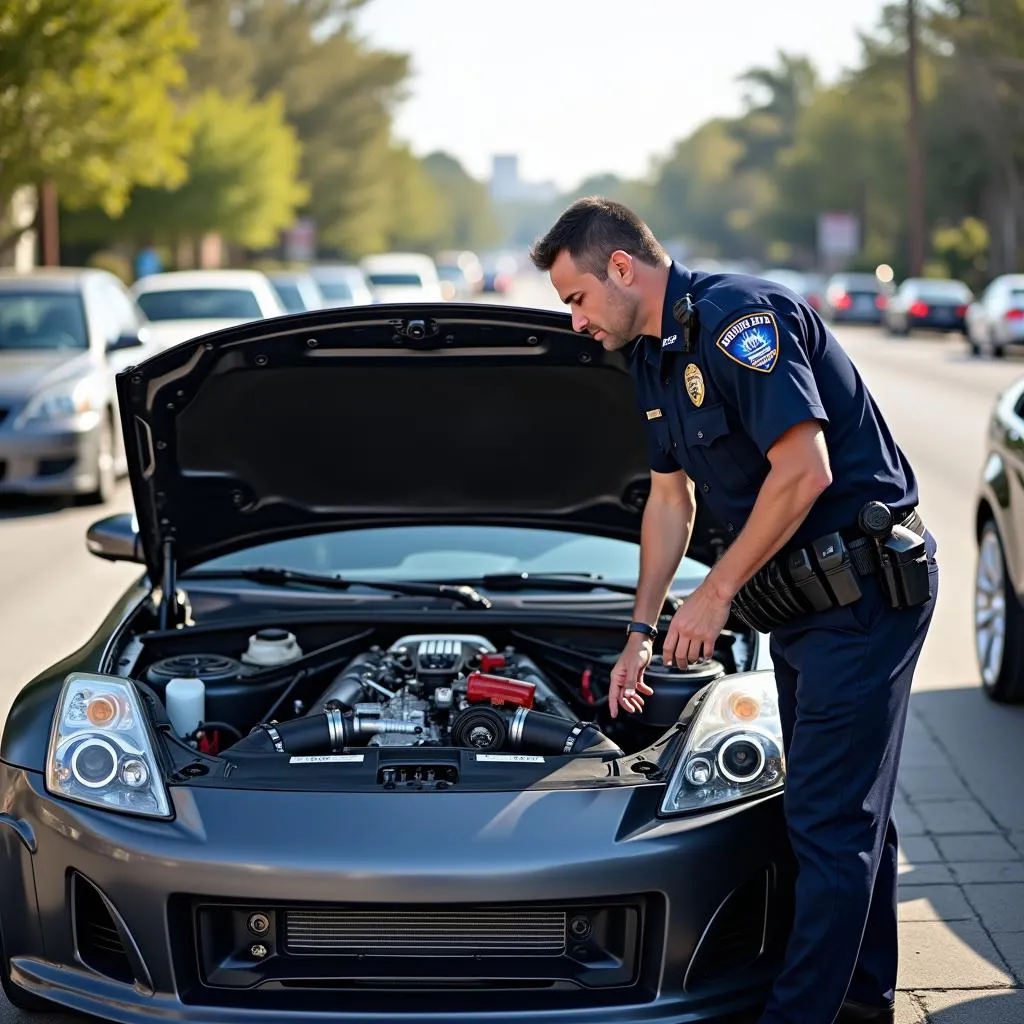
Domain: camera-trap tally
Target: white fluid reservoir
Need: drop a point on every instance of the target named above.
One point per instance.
(185, 700)
(272, 647)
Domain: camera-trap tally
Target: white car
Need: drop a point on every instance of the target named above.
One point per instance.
(184, 304)
(997, 318)
(403, 277)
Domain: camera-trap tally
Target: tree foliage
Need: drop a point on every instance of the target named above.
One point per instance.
(89, 98)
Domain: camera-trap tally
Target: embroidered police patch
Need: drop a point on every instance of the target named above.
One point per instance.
(752, 341)
(694, 381)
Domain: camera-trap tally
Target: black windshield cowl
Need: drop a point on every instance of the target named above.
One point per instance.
(278, 577)
(565, 582)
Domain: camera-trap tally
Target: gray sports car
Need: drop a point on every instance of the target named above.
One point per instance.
(343, 751)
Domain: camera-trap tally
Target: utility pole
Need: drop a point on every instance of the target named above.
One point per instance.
(915, 157)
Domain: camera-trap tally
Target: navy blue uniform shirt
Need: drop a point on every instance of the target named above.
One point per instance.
(762, 362)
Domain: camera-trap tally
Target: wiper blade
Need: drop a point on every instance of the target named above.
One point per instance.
(276, 576)
(566, 582)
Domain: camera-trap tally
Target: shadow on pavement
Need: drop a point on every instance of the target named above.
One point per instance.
(16, 506)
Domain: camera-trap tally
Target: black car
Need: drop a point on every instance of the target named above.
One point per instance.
(343, 751)
(933, 304)
(999, 530)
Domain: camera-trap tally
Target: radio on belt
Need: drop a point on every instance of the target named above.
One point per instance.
(902, 556)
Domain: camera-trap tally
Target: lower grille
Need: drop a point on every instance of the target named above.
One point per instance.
(473, 933)
(98, 940)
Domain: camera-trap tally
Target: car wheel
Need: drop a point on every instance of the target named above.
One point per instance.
(998, 622)
(106, 469)
(18, 997)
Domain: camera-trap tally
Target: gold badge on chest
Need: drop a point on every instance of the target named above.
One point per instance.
(694, 382)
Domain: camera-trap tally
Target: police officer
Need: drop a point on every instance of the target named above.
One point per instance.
(750, 402)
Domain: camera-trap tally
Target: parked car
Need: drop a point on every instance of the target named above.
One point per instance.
(999, 533)
(342, 284)
(806, 284)
(183, 304)
(858, 298)
(343, 751)
(996, 320)
(402, 277)
(297, 290)
(934, 304)
(64, 333)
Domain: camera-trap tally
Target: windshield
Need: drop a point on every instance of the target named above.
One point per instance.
(937, 291)
(396, 279)
(335, 288)
(201, 304)
(290, 296)
(42, 320)
(451, 552)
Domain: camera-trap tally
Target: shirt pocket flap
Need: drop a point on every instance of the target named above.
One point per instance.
(705, 426)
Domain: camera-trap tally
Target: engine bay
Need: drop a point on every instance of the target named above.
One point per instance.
(315, 692)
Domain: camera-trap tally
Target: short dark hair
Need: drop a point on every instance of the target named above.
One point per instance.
(592, 229)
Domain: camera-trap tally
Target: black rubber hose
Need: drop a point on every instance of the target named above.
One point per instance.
(537, 732)
(307, 735)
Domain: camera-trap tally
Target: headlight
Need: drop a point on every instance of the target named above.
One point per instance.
(62, 403)
(101, 748)
(733, 748)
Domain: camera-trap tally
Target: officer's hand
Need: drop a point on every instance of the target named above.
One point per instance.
(628, 675)
(695, 628)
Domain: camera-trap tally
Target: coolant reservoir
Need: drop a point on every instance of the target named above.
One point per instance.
(272, 647)
(185, 700)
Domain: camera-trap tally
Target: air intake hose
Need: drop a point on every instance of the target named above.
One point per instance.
(529, 731)
(325, 733)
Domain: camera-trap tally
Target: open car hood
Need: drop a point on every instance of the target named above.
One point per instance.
(349, 417)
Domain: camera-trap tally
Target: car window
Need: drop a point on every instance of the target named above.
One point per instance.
(42, 320)
(939, 291)
(290, 295)
(117, 311)
(201, 304)
(445, 552)
(335, 288)
(396, 279)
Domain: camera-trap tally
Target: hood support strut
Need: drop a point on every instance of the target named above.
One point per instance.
(168, 583)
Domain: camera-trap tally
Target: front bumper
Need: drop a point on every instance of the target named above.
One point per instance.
(51, 462)
(135, 920)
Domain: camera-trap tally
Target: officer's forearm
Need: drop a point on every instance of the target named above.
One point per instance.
(785, 498)
(664, 538)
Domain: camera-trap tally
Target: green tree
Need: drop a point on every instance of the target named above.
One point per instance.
(339, 94)
(88, 99)
(468, 218)
(242, 181)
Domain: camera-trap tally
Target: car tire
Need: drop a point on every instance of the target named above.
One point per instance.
(106, 468)
(21, 1000)
(998, 622)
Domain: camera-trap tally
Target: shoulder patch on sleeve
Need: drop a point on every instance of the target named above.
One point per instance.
(752, 341)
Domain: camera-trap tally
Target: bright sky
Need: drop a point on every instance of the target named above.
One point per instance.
(577, 87)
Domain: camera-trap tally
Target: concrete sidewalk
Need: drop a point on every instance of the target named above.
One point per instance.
(961, 823)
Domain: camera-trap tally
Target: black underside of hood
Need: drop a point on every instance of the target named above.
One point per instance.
(349, 417)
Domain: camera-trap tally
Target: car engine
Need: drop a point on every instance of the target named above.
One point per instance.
(420, 690)
(412, 694)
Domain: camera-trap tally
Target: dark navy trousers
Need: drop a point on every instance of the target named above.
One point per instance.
(844, 679)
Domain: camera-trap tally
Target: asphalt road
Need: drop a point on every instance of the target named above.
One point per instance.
(963, 794)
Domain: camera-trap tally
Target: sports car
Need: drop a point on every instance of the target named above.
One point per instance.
(342, 752)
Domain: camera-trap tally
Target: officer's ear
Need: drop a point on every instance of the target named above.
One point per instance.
(620, 267)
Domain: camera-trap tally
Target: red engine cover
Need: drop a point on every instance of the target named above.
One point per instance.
(498, 690)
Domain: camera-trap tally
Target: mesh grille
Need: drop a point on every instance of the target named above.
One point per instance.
(427, 932)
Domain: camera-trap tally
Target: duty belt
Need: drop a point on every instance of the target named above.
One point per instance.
(824, 574)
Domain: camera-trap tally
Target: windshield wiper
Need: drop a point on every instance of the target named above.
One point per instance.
(278, 577)
(565, 582)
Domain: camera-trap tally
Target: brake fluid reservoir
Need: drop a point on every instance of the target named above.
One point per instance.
(185, 700)
(272, 647)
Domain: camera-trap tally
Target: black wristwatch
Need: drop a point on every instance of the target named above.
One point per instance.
(642, 627)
